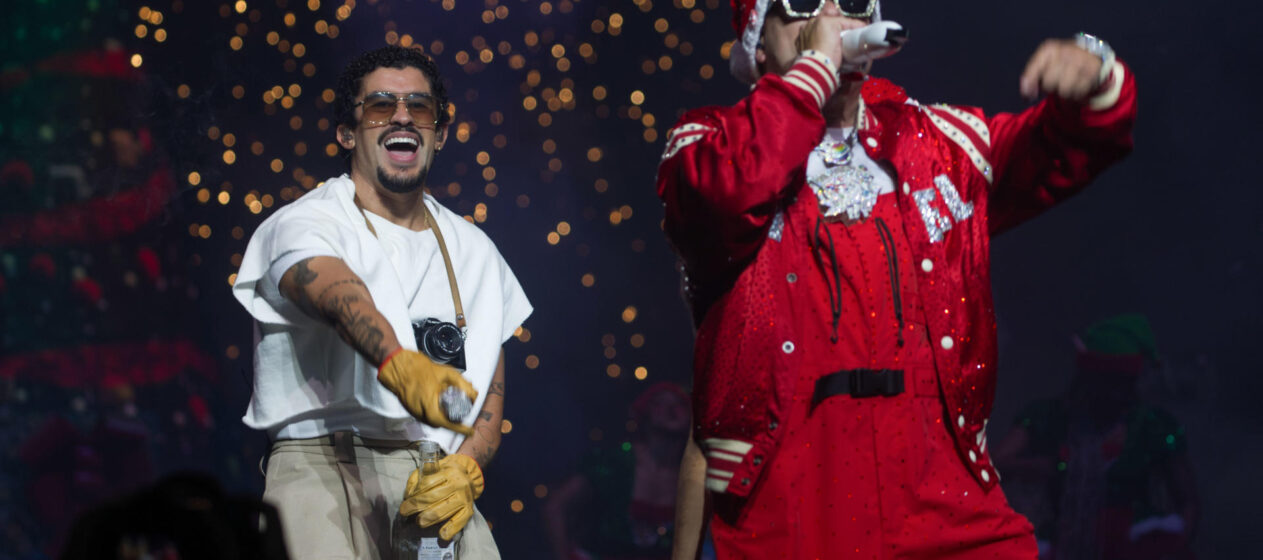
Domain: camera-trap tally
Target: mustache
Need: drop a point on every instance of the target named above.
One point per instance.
(381, 140)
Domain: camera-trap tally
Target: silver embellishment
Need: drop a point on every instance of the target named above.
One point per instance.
(845, 192)
(959, 208)
(935, 224)
(455, 404)
(778, 224)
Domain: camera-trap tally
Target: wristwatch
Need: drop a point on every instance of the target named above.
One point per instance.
(1101, 49)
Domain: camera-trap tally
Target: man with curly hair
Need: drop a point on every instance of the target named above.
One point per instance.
(360, 327)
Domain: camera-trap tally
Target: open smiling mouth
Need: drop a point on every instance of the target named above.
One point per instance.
(402, 148)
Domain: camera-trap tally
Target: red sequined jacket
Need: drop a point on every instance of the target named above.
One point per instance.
(733, 180)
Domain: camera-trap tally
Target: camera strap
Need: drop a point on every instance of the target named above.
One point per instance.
(447, 259)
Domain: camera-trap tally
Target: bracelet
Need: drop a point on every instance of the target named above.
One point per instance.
(1101, 49)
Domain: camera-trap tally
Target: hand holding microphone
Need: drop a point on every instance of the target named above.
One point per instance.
(869, 43)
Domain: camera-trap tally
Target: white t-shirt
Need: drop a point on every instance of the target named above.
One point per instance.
(308, 382)
(881, 177)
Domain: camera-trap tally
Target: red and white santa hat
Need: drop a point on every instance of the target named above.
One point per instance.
(747, 20)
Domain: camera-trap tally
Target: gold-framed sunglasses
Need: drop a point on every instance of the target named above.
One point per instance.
(380, 107)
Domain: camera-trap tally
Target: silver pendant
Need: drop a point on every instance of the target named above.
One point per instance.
(846, 193)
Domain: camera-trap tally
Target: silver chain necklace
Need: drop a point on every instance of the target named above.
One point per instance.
(845, 189)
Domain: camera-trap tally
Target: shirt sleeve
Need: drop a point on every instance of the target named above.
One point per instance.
(281, 242)
(516, 306)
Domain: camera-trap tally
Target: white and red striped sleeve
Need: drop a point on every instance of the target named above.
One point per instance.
(815, 73)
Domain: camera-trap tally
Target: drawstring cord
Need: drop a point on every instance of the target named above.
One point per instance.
(892, 264)
(835, 291)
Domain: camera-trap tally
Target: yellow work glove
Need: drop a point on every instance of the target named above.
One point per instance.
(418, 382)
(448, 494)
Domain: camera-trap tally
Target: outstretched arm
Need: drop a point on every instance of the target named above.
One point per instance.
(326, 289)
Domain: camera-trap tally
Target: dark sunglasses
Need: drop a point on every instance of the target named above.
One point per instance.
(380, 107)
(858, 9)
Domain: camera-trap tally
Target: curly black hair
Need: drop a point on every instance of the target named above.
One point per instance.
(391, 56)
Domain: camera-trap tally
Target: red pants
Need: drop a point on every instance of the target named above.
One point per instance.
(872, 477)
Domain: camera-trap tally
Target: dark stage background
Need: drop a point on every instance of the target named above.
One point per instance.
(142, 144)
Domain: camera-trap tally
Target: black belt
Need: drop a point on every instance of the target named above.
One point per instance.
(859, 383)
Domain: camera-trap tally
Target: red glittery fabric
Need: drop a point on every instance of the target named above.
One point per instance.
(881, 477)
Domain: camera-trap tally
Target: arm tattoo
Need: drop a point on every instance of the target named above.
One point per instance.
(497, 388)
(352, 281)
(484, 456)
(484, 416)
(303, 275)
(356, 329)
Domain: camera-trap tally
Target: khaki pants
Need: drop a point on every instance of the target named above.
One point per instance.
(338, 496)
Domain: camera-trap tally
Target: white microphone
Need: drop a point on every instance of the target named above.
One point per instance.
(871, 42)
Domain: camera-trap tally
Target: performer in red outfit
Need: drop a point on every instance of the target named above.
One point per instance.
(834, 235)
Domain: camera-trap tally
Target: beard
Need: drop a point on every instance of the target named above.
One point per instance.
(404, 184)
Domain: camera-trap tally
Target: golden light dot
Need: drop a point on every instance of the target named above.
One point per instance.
(256, 207)
(232, 352)
(485, 55)
(195, 178)
(697, 16)
(588, 280)
(256, 148)
(563, 64)
(505, 427)
(610, 352)
(585, 50)
(615, 217)
(482, 158)
(144, 12)
(462, 57)
(598, 26)
(671, 40)
(290, 20)
(480, 213)
(566, 95)
(268, 97)
(634, 113)
(137, 61)
(625, 211)
(554, 164)
(327, 96)
(502, 12)
(267, 201)
(641, 373)
(277, 165)
(613, 370)
(637, 340)
(238, 232)
(563, 228)
(616, 20)
(594, 154)
(553, 238)
(651, 135)
(648, 119)
(598, 93)
(516, 505)
(160, 35)
(545, 8)
(344, 11)
(309, 69)
(313, 5)
(549, 146)
(141, 30)
(321, 26)
(230, 139)
(240, 6)
(295, 122)
(558, 50)
(489, 173)
(235, 43)
(629, 314)
(664, 62)
(287, 102)
(223, 199)
(273, 37)
(523, 201)
(725, 50)
(554, 104)
(331, 149)
(545, 119)
(601, 185)
(491, 190)
(230, 157)
(405, 40)
(706, 71)
(532, 78)
(541, 491)
(532, 361)
(660, 25)
(238, 91)
(637, 97)
(232, 278)
(203, 196)
(204, 232)
(523, 334)
(529, 103)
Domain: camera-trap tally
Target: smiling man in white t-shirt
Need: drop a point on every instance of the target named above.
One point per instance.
(338, 283)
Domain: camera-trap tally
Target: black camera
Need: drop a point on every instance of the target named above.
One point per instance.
(441, 341)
